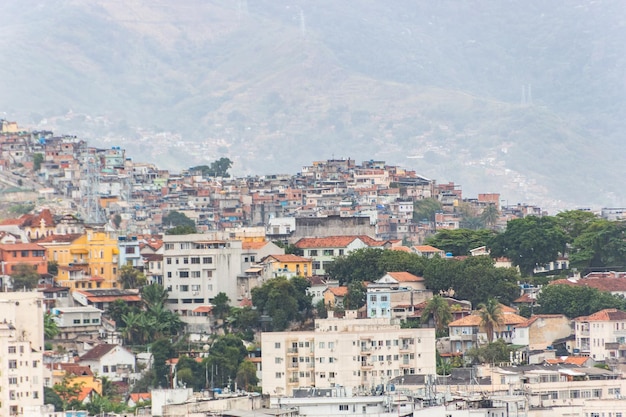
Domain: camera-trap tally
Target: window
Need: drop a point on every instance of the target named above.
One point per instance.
(279, 375)
(317, 265)
(195, 260)
(195, 274)
(208, 273)
(343, 407)
(278, 360)
(35, 364)
(383, 298)
(195, 288)
(207, 260)
(185, 260)
(12, 364)
(86, 321)
(168, 261)
(328, 252)
(95, 321)
(184, 288)
(105, 368)
(13, 380)
(277, 345)
(24, 254)
(12, 349)
(169, 274)
(76, 321)
(183, 274)
(313, 252)
(35, 394)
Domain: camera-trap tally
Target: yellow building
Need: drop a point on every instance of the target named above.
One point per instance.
(289, 265)
(75, 374)
(85, 261)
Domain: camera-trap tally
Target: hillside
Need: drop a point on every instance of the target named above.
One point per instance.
(524, 98)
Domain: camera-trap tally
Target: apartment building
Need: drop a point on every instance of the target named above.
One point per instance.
(196, 268)
(602, 335)
(359, 354)
(21, 353)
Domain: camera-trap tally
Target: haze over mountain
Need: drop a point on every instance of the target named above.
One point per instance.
(525, 98)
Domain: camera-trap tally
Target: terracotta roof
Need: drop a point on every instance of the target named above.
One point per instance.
(512, 318)
(574, 360)
(59, 238)
(471, 320)
(536, 317)
(84, 393)
(405, 277)
(289, 258)
(401, 248)
(203, 309)
(336, 241)
(507, 309)
(21, 246)
(525, 298)
(140, 397)
(97, 352)
(253, 245)
(338, 291)
(427, 248)
(316, 280)
(607, 284)
(608, 314)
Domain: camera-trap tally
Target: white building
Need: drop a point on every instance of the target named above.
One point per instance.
(112, 361)
(602, 335)
(78, 321)
(196, 268)
(358, 354)
(21, 353)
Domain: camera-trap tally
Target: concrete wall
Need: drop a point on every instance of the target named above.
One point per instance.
(332, 226)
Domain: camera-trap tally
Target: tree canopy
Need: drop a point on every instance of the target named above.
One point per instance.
(529, 242)
(576, 301)
(460, 241)
(178, 223)
(283, 300)
(24, 276)
(217, 168)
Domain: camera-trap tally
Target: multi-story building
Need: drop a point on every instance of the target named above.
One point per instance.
(78, 321)
(355, 353)
(21, 353)
(31, 254)
(602, 335)
(196, 268)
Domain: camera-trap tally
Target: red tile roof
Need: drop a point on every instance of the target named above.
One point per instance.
(97, 352)
(289, 258)
(574, 360)
(427, 248)
(609, 314)
(405, 277)
(336, 241)
(21, 246)
(140, 397)
(59, 238)
(338, 291)
(607, 284)
(253, 245)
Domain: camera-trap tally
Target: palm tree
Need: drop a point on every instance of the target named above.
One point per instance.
(50, 328)
(153, 294)
(490, 215)
(439, 308)
(490, 316)
(131, 327)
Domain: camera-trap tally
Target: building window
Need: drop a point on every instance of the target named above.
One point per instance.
(195, 274)
(105, 368)
(343, 407)
(13, 364)
(184, 288)
(329, 252)
(313, 252)
(277, 345)
(183, 274)
(13, 380)
(168, 261)
(185, 260)
(207, 260)
(279, 375)
(12, 349)
(76, 321)
(35, 394)
(195, 260)
(208, 273)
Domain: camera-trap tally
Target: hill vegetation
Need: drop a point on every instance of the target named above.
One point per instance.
(502, 97)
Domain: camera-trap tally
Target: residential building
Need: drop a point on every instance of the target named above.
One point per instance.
(602, 335)
(32, 254)
(196, 268)
(334, 297)
(129, 252)
(112, 361)
(21, 353)
(540, 330)
(390, 295)
(73, 322)
(323, 250)
(358, 354)
(287, 265)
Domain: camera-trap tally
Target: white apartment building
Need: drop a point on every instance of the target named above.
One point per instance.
(196, 268)
(359, 354)
(602, 335)
(21, 353)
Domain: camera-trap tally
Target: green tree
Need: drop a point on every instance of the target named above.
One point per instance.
(425, 210)
(440, 310)
(243, 321)
(601, 244)
(181, 230)
(220, 305)
(50, 328)
(53, 268)
(494, 352)
(576, 301)
(117, 220)
(490, 215)
(574, 222)
(283, 300)
(246, 375)
(153, 294)
(225, 356)
(51, 397)
(490, 316)
(24, 276)
(355, 298)
(162, 350)
(131, 277)
(217, 168)
(190, 373)
(67, 391)
(460, 241)
(529, 242)
(37, 160)
(320, 308)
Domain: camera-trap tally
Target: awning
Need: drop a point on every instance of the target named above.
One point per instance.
(116, 251)
(203, 309)
(79, 250)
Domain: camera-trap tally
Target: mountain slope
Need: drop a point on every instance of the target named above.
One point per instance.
(524, 98)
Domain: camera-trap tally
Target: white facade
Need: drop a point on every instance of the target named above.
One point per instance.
(21, 353)
(602, 335)
(358, 354)
(75, 321)
(117, 364)
(196, 268)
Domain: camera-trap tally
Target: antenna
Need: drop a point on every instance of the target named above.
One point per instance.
(90, 188)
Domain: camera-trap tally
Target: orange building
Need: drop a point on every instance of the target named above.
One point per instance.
(22, 253)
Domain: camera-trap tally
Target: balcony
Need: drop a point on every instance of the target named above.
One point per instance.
(405, 348)
(367, 365)
(292, 351)
(366, 349)
(292, 365)
(293, 381)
